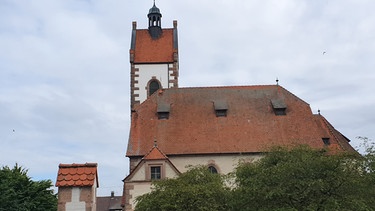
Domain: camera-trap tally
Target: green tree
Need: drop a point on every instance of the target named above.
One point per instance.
(305, 179)
(18, 192)
(197, 189)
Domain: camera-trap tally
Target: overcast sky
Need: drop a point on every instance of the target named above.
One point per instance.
(64, 69)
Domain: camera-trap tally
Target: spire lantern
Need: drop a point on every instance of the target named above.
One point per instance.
(154, 22)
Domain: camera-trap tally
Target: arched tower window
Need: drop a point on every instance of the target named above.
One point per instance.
(153, 86)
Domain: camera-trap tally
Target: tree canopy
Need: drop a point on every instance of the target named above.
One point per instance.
(284, 179)
(305, 179)
(196, 189)
(19, 192)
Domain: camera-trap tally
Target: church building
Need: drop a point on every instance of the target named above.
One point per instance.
(173, 128)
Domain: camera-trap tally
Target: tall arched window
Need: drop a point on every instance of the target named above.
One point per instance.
(153, 86)
(212, 169)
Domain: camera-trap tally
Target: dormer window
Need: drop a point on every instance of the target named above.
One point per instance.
(221, 108)
(163, 110)
(279, 107)
(280, 111)
(326, 141)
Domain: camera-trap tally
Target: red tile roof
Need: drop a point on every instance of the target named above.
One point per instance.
(155, 154)
(73, 175)
(250, 125)
(148, 50)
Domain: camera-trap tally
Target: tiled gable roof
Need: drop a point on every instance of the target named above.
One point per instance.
(76, 175)
(250, 124)
(155, 154)
(148, 50)
(341, 141)
(108, 203)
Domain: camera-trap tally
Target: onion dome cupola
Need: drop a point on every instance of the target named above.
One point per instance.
(154, 22)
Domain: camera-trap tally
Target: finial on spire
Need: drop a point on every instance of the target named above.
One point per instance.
(277, 81)
(319, 111)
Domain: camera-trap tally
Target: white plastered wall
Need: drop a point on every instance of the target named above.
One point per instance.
(146, 72)
(75, 204)
(140, 174)
(223, 163)
(140, 188)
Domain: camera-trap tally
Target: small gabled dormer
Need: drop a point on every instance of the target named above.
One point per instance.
(221, 108)
(279, 107)
(163, 110)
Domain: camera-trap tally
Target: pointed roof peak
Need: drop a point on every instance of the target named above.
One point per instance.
(155, 154)
(154, 9)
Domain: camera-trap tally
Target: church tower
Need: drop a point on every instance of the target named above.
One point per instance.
(153, 58)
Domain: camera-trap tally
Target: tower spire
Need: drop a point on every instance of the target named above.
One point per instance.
(154, 22)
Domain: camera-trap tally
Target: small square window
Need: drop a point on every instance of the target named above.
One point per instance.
(280, 111)
(155, 172)
(326, 141)
(163, 115)
(221, 113)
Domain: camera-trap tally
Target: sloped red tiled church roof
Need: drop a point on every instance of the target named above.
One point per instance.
(250, 124)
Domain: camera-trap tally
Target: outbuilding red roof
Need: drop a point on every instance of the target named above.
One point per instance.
(76, 175)
(250, 124)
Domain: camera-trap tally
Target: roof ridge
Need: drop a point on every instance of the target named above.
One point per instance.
(223, 87)
(76, 165)
(293, 94)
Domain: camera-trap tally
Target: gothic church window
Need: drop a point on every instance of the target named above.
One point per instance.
(153, 86)
(212, 169)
